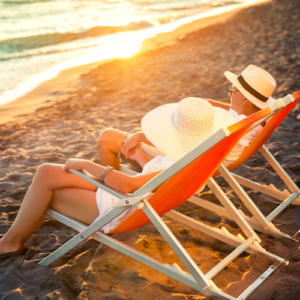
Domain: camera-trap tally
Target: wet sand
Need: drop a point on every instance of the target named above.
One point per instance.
(117, 94)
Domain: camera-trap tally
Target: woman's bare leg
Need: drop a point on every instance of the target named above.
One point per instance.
(79, 204)
(48, 178)
(76, 203)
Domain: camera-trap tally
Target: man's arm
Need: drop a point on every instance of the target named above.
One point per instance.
(223, 105)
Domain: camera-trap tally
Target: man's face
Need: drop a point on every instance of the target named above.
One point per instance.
(236, 99)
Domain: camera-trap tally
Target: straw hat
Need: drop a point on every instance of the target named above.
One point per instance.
(178, 127)
(256, 84)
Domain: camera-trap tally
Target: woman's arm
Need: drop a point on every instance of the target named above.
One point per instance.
(136, 154)
(83, 164)
(134, 140)
(126, 183)
(115, 179)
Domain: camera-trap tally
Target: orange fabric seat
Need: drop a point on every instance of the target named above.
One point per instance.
(264, 135)
(258, 221)
(184, 184)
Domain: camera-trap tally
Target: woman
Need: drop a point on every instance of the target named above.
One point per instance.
(179, 126)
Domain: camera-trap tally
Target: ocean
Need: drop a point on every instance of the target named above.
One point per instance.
(39, 38)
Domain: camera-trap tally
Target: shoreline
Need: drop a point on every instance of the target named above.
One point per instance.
(67, 79)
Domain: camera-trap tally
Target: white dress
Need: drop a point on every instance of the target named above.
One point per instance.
(243, 143)
(105, 201)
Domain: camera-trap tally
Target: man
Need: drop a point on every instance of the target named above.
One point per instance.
(250, 92)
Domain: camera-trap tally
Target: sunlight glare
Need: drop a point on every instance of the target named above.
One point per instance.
(129, 49)
(119, 45)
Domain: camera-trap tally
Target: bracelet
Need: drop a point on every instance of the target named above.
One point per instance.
(104, 172)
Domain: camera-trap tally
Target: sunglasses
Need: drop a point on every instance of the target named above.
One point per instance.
(232, 89)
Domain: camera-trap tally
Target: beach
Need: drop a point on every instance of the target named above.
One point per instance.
(64, 118)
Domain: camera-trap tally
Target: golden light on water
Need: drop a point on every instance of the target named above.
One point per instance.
(124, 44)
(131, 49)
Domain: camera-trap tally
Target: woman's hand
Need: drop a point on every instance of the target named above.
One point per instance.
(129, 143)
(73, 163)
(135, 153)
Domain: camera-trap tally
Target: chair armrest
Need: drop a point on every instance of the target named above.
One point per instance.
(93, 180)
(127, 170)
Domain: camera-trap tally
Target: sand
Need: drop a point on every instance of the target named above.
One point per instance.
(117, 94)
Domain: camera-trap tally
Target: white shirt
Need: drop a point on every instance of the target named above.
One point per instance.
(243, 143)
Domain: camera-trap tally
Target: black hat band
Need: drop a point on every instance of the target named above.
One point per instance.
(251, 90)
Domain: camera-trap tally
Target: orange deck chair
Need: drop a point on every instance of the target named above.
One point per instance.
(258, 221)
(172, 187)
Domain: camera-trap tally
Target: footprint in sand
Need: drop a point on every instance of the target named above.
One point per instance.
(15, 177)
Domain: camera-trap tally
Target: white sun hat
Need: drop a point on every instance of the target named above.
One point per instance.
(256, 84)
(178, 127)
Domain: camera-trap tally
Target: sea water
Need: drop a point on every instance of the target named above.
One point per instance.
(51, 35)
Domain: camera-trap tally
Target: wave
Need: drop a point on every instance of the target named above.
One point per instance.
(13, 2)
(12, 46)
(19, 47)
(42, 52)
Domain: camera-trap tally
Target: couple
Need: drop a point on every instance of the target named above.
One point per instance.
(174, 129)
